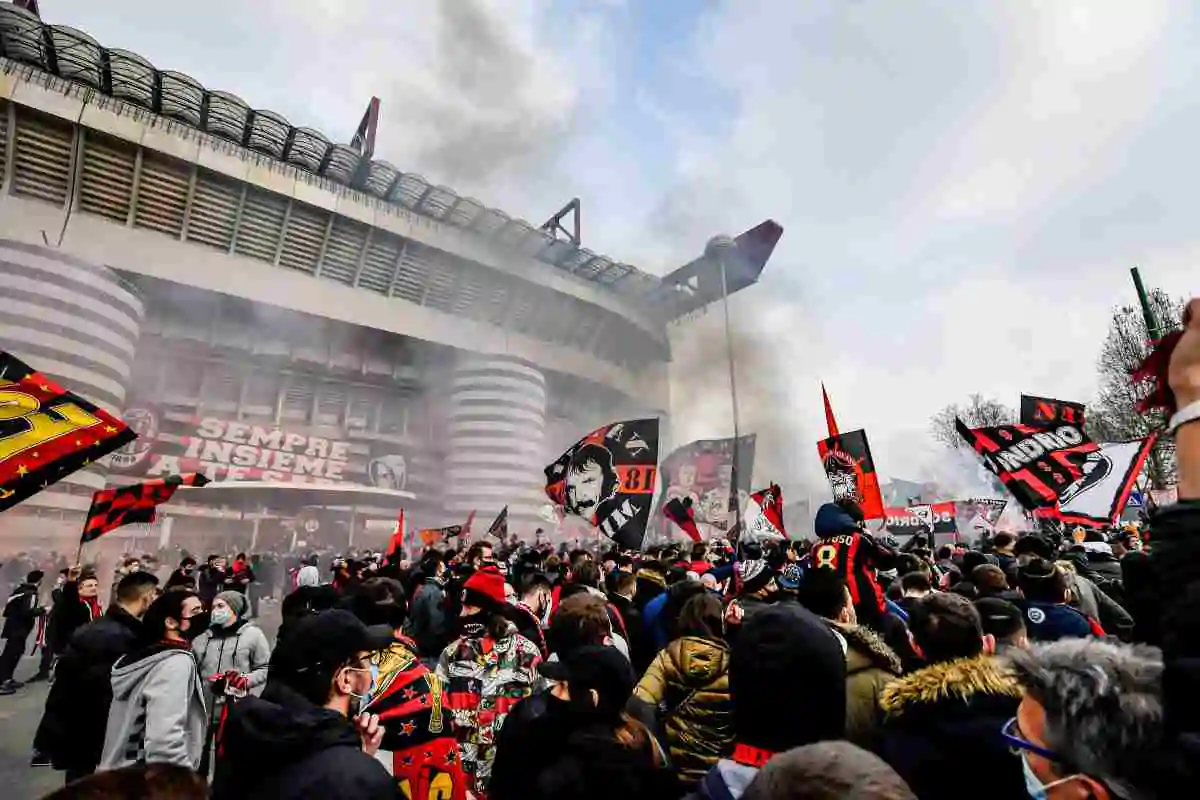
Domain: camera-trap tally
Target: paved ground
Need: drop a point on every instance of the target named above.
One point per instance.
(19, 717)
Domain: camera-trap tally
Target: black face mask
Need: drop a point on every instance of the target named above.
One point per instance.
(196, 626)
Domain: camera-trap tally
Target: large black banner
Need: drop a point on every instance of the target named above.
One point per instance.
(608, 477)
(1036, 463)
(703, 472)
(1048, 411)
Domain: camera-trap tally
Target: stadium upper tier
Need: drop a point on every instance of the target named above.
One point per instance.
(72, 54)
(145, 171)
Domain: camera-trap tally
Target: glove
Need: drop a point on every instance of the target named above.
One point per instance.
(237, 682)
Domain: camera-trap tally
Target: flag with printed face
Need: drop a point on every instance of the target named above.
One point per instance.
(608, 478)
(764, 515)
(123, 505)
(851, 471)
(47, 432)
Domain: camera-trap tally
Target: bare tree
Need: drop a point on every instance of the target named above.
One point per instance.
(1113, 415)
(978, 412)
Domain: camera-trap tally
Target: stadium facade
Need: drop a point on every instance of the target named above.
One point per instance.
(196, 264)
(266, 304)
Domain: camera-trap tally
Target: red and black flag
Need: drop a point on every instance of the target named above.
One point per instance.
(47, 432)
(396, 543)
(851, 471)
(499, 526)
(1048, 411)
(122, 505)
(764, 516)
(1036, 463)
(608, 477)
(680, 512)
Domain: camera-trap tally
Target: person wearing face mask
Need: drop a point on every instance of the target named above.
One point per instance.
(184, 576)
(158, 714)
(485, 672)
(233, 655)
(305, 738)
(70, 736)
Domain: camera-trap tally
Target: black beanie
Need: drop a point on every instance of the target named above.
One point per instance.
(787, 677)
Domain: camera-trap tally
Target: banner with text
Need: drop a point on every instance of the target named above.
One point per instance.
(228, 450)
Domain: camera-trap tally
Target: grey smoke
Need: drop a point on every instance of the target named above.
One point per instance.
(483, 116)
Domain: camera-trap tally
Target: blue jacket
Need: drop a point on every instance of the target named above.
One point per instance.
(1049, 622)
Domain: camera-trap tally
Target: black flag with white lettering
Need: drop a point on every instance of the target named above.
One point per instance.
(1036, 463)
(607, 477)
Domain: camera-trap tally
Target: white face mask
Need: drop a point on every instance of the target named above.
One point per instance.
(1033, 785)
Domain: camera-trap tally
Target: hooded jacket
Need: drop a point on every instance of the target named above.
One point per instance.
(241, 647)
(157, 714)
(688, 686)
(870, 666)
(282, 746)
(73, 724)
(941, 728)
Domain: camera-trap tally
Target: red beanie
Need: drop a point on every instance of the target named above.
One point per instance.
(486, 584)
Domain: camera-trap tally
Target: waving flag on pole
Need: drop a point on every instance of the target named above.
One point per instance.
(764, 516)
(499, 526)
(679, 511)
(123, 505)
(396, 543)
(830, 422)
(1099, 496)
(47, 432)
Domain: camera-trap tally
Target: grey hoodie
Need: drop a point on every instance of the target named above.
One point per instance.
(157, 714)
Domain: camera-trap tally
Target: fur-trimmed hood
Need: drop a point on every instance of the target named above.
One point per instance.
(866, 650)
(965, 680)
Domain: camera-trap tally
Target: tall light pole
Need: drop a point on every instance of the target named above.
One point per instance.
(720, 249)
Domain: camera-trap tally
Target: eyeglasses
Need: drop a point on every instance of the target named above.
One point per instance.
(1017, 742)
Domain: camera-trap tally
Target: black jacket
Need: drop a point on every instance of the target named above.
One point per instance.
(21, 612)
(1175, 556)
(941, 728)
(641, 647)
(68, 615)
(283, 747)
(72, 729)
(211, 583)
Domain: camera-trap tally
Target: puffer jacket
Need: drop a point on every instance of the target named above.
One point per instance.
(870, 665)
(687, 688)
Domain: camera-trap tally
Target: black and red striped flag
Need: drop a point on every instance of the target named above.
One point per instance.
(679, 511)
(47, 432)
(112, 508)
(1037, 464)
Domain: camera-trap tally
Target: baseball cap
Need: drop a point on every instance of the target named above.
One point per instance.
(327, 638)
(597, 667)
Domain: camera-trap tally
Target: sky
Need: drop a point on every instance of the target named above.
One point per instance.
(963, 186)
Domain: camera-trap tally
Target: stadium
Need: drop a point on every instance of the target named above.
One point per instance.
(267, 305)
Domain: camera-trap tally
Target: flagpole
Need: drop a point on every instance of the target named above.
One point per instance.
(717, 247)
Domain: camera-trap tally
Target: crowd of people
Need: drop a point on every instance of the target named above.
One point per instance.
(1045, 664)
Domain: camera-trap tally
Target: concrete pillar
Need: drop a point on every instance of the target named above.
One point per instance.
(76, 322)
(497, 420)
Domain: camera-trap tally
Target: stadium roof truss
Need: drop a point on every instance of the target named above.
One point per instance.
(72, 54)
